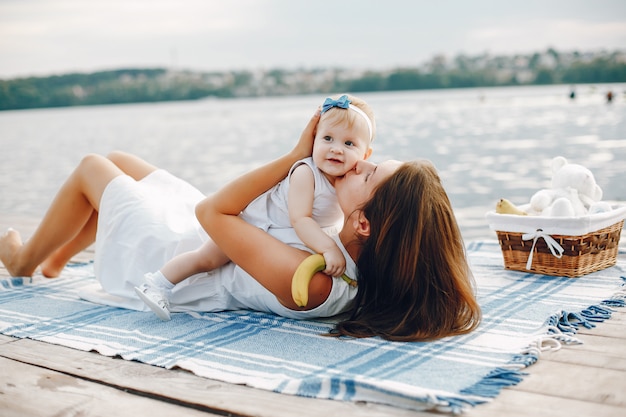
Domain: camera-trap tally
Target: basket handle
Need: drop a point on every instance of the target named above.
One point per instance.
(553, 245)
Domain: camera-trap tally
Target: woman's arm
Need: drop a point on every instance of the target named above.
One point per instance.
(268, 260)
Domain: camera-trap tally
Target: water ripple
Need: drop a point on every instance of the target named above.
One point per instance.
(486, 143)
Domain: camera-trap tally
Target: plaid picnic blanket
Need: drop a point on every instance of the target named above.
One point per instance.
(522, 315)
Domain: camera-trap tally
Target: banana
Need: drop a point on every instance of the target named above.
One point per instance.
(303, 275)
(504, 206)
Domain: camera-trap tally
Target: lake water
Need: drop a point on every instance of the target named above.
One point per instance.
(486, 143)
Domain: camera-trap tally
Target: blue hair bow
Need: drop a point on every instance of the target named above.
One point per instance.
(342, 102)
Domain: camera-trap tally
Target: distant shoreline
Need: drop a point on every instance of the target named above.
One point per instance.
(123, 86)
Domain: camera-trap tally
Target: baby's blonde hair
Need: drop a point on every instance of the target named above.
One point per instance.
(337, 115)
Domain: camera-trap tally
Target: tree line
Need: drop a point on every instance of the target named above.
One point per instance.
(160, 84)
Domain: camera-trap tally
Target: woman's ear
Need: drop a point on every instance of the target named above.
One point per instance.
(362, 224)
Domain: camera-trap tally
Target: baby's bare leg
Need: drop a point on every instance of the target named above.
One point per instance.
(206, 258)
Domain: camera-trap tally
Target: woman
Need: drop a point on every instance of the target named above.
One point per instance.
(304, 201)
(413, 279)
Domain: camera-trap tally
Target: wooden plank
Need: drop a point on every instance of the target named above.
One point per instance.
(515, 403)
(613, 330)
(6, 339)
(31, 391)
(575, 381)
(511, 402)
(149, 379)
(580, 380)
(597, 359)
(183, 386)
(593, 344)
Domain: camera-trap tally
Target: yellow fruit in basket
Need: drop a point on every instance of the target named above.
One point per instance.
(504, 206)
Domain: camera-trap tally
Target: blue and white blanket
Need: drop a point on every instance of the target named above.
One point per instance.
(522, 314)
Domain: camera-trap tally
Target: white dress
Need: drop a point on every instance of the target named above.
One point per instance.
(269, 210)
(143, 224)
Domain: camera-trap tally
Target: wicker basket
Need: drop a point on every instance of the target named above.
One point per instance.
(537, 246)
(581, 254)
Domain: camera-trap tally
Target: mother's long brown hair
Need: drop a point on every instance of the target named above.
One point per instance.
(414, 279)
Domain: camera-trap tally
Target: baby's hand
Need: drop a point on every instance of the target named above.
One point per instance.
(335, 262)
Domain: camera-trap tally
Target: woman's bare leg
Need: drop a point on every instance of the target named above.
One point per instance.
(68, 215)
(129, 164)
(52, 266)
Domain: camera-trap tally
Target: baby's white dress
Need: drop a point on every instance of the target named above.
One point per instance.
(143, 224)
(269, 210)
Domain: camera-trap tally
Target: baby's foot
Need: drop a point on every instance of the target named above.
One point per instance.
(156, 299)
(10, 245)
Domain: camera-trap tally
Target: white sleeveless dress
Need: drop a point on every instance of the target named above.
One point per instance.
(143, 224)
(269, 210)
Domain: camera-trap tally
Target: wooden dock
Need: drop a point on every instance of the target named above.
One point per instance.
(39, 380)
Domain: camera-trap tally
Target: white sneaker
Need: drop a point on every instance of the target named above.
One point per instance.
(156, 299)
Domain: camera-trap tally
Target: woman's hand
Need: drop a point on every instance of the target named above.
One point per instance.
(304, 147)
(270, 261)
(232, 198)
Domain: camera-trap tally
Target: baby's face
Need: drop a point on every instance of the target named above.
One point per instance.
(338, 147)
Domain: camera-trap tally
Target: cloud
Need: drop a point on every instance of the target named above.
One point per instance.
(542, 33)
(134, 18)
(54, 36)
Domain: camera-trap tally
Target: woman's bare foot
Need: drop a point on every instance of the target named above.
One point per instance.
(10, 245)
(51, 267)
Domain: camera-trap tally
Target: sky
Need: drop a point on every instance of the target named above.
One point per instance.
(48, 37)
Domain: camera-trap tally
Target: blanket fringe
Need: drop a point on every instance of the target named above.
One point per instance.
(494, 381)
(454, 405)
(558, 331)
(569, 322)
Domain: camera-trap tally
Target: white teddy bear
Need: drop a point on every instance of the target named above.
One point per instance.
(574, 192)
